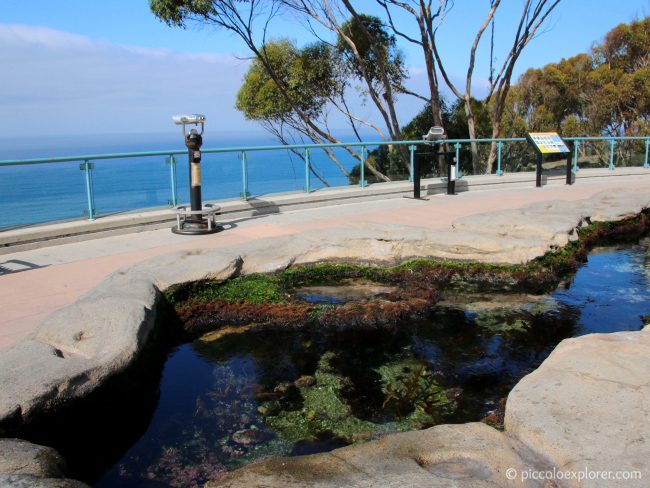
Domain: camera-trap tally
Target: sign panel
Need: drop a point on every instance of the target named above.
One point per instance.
(547, 142)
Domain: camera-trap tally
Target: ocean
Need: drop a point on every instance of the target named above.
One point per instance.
(35, 194)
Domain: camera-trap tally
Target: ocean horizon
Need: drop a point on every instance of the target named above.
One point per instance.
(33, 194)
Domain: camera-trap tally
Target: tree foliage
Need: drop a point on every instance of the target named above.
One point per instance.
(605, 91)
(310, 75)
(374, 47)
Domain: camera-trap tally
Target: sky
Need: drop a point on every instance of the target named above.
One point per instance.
(104, 67)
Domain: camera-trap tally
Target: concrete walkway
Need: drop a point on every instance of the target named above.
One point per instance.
(35, 283)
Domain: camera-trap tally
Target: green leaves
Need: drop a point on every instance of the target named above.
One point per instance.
(176, 12)
(309, 76)
(605, 91)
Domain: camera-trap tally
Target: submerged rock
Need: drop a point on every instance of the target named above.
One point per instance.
(248, 437)
(486, 302)
(305, 382)
(346, 291)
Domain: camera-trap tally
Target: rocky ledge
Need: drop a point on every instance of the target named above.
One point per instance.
(597, 387)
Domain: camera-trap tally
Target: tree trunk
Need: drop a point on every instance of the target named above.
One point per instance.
(496, 129)
(471, 127)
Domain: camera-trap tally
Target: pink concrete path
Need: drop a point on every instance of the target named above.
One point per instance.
(68, 271)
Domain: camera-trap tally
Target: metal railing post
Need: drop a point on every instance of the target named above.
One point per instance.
(307, 172)
(244, 176)
(457, 147)
(412, 158)
(499, 145)
(171, 161)
(362, 180)
(612, 142)
(645, 163)
(576, 145)
(87, 168)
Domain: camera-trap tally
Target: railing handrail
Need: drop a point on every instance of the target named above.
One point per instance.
(170, 152)
(88, 160)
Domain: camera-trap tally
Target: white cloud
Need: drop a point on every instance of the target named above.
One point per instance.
(16, 35)
(55, 82)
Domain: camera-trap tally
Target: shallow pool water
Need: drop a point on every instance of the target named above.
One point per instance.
(225, 403)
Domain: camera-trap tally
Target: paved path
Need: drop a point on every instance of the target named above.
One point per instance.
(35, 283)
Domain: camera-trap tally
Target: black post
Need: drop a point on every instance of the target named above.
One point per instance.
(569, 164)
(451, 182)
(416, 177)
(538, 180)
(193, 141)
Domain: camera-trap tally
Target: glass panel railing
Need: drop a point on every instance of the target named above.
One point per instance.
(593, 154)
(332, 167)
(221, 176)
(122, 185)
(275, 171)
(517, 156)
(41, 193)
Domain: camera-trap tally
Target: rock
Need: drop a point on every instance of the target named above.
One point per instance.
(346, 291)
(454, 394)
(76, 348)
(470, 455)
(27, 465)
(248, 437)
(305, 382)
(29, 481)
(18, 457)
(282, 388)
(586, 406)
(537, 221)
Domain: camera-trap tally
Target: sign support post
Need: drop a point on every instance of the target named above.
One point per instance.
(548, 143)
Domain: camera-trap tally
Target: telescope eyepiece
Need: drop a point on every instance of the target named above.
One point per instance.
(435, 133)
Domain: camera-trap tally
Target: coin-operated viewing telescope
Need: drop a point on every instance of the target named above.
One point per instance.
(435, 136)
(199, 219)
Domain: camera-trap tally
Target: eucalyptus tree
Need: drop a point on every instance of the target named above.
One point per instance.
(429, 16)
(371, 54)
(311, 78)
(320, 83)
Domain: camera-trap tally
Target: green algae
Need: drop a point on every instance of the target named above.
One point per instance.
(323, 411)
(501, 322)
(257, 289)
(413, 399)
(413, 394)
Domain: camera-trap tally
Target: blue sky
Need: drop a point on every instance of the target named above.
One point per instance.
(93, 67)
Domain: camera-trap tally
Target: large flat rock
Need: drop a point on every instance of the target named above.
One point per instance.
(468, 455)
(587, 407)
